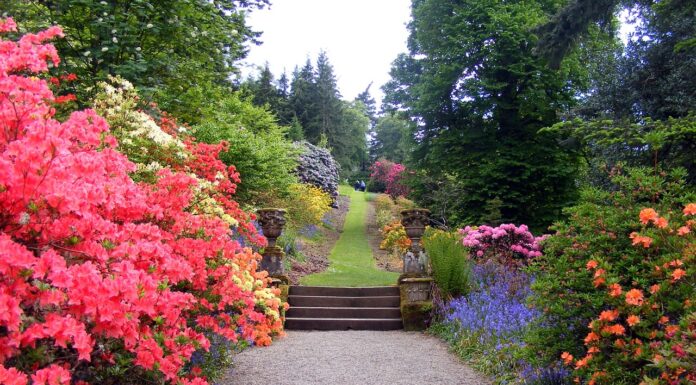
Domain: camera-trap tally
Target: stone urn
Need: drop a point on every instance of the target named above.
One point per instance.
(272, 222)
(414, 222)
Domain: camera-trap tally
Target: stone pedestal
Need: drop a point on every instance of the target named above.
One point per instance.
(272, 222)
(416, 301)
(414, 284)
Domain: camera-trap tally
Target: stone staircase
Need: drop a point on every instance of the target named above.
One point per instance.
(343, 308)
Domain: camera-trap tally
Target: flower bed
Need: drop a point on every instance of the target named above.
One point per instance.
(104, 279)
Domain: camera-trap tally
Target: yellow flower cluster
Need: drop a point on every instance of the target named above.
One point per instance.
(306, 205)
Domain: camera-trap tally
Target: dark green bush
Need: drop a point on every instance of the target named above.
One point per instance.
(449, 261)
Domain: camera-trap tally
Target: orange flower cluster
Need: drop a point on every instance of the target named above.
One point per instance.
(650, 215)
(638, 328)
(641, 240)
(394, 238)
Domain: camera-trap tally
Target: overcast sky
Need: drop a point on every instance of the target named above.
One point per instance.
(361, 38)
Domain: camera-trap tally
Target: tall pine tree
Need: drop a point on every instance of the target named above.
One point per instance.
(327, 121)
(303, 96)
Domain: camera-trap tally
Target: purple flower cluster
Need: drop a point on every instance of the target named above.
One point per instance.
(309, 231)
(496, 316)
(557, 374)
(496, 309)
(506, 242)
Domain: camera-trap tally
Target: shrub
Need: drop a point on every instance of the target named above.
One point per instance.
(388, 218)
(404, 204)
(507, 243)
(448, 258)
(263, 157)
(317, 167)
(106, 280)
(676, 359)
(306, 206)
(617, 278)
(390, 175)
(394, 238)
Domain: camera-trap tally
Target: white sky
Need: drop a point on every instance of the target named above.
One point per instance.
(361, 38)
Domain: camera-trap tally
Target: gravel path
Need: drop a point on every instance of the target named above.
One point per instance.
(351, 357)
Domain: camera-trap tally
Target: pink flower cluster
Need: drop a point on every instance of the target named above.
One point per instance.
(97, 270)
(507, 243)
(391, 175)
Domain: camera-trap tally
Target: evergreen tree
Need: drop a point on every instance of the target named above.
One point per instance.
(370, 105)
(283, 86)
(303, 99)
(295, 133)
(283, 109)
(328, 103)
(263, 89)
(349, 142)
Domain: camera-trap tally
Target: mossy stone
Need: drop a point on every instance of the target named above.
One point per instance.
(416, 315)
(284, 292)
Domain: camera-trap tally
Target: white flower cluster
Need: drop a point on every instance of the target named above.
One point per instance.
(119, 109)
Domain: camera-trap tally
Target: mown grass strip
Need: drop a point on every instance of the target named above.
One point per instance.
(351, 260)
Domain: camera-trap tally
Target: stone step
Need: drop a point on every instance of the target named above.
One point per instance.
(326, 301)
(344, 312)
(293, 323)
(345, 291)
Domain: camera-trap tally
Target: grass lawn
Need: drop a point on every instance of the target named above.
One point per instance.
(351, 261)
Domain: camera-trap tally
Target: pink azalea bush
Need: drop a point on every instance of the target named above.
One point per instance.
(506, 243)
(106, 280)
(390, 175)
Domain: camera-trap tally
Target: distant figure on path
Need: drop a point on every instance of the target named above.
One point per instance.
(357, 185)
(362, 186)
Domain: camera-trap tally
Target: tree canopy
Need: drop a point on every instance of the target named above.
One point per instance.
(478, 99)
(176, 52)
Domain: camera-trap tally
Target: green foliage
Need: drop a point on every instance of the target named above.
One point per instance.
(175, 52)
(449, 261)
(370, 104)
(295, 132)
(348, 144)
(272, 94)
(392, 138)
(652, 76)
(258, 149)
(605, 143)
(559, 35)
(479, 97)
(600, 229)
(312, 107)
(288, 242)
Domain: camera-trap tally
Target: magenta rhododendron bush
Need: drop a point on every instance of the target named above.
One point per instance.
(103, 276)
(390, 175)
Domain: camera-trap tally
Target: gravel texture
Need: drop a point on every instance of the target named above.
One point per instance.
(351, 357)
